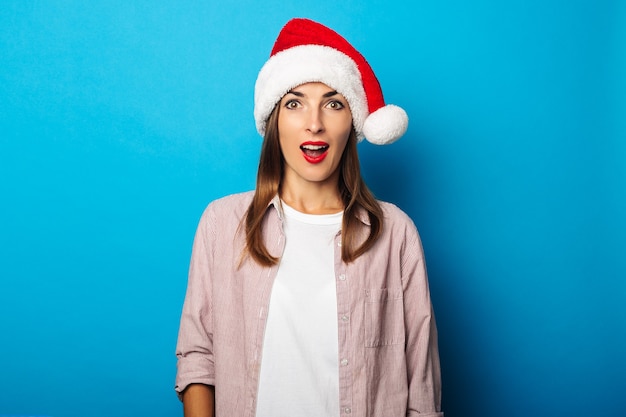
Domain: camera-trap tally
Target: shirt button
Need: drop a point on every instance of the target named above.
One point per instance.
(347, 410)
(344, 318)
(344, 362)
(342, 277)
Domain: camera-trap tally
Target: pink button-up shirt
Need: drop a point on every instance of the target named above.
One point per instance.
(388, 356)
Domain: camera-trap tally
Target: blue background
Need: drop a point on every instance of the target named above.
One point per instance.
(120, 121)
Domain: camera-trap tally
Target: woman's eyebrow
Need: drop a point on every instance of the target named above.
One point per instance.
(295, 93)
(326, 95)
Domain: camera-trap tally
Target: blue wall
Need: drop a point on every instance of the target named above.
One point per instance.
(120, 121)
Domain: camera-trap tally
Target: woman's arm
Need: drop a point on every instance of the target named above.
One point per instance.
(194, 348)
(199, 401)
(422, 354)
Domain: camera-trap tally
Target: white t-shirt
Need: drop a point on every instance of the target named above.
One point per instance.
(300, 367)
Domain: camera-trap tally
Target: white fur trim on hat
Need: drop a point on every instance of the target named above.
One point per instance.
(309, 63)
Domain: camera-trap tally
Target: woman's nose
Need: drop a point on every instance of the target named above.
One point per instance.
(315, 123)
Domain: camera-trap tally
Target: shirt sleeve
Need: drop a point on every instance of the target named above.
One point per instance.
(422, 354)
(194, 349)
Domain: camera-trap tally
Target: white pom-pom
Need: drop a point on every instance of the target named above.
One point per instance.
(385, 125)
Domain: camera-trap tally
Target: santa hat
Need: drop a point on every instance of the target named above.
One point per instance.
(306, 51)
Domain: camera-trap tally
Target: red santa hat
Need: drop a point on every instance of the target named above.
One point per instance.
(306, 51)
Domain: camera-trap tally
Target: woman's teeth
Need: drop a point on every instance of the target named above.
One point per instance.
(314, 150)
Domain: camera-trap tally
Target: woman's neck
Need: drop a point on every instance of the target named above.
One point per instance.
(312, 198)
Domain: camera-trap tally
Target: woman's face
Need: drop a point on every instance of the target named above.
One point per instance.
(314, 124)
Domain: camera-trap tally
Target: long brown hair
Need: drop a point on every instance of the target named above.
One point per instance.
(354, 194)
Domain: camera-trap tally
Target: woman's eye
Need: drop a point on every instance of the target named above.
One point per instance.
(335, 105)
(291, 104)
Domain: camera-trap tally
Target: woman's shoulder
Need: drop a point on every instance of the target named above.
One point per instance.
(394, 214)
(231, 207)
(398, 226)
(232, 201)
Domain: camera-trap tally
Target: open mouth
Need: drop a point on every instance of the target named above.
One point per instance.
(314, 150)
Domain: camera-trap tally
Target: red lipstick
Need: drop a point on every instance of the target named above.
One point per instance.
(314, 152)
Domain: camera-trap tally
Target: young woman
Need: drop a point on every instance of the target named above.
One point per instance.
(309, 297)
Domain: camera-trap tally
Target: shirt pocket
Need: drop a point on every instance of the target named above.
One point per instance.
(384, 317)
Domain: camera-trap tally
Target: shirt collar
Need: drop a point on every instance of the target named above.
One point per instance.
(279, 207)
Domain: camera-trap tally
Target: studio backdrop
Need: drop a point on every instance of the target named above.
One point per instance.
(121, 120)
